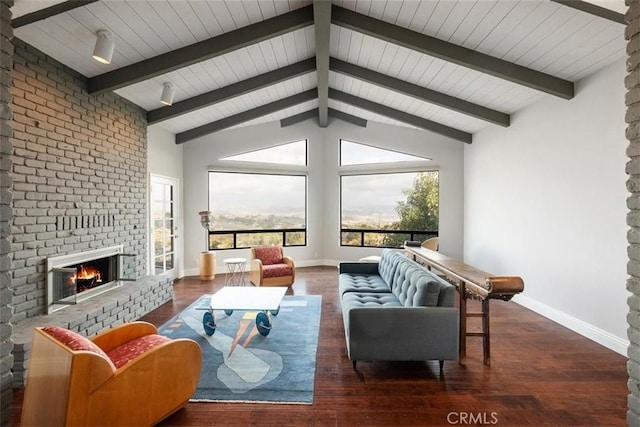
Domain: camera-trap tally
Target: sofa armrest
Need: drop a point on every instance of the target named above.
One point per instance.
(255, 272)
(403, 333)
(170, 371)
(358, 268)
(115, 337)
(289, 261)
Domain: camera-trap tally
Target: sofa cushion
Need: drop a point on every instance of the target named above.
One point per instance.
(369, 300)
(128, 351)
(388, 265)
(362, 300)
(402, 281)
(269, 254)
(74, 340)
(426, 292)
(361, 283)
(276, 270)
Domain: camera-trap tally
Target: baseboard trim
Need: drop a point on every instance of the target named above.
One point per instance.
(602, 337)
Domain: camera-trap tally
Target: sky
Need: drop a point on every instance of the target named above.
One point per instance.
(285, 194)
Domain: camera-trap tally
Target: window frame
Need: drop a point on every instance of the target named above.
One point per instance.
(258, 168)
(382, 169)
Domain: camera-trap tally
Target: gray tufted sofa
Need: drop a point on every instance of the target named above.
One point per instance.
(397, 310)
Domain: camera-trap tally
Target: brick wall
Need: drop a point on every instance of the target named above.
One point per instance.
(633, 184)
(6, 342)
(125, 304)
(79, 173)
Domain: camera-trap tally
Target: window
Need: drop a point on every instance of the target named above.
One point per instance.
(260, 208)
(353, 153)
(384, 209)
(293, 153)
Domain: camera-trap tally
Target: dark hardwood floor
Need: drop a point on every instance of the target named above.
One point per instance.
(540, 374)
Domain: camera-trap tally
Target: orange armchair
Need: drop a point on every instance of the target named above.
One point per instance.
(270, 267)
(127, 376)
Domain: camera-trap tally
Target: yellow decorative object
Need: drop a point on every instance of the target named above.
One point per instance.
(207, 265)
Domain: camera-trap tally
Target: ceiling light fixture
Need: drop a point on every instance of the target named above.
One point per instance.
(103, 51)
(167, 94)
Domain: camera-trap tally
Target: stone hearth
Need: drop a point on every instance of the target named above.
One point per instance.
(125, 304)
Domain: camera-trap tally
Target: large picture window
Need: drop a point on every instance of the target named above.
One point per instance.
(384, 209)
(251, 209)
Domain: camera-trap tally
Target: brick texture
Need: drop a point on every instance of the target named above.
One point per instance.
(74, 177)
(632, 82)
(79, 173)
(128, 303)
(6, 197)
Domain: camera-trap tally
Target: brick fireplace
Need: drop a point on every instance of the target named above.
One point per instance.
(77, 277)
(78, 173)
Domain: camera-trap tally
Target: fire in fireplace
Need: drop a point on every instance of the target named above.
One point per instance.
(77, 277)
(91, 274)
(87, 278)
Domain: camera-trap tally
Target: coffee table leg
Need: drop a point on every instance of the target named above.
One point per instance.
(263, 323)
(209, 323)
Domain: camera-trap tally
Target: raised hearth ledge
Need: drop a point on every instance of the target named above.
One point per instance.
(123, 304)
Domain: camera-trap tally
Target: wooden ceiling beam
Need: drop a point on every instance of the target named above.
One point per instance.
(349, 118)
(452, 53)
(292, 120)
(357, 121)
(245, 116)
(595, 10)
(48, 12)
(236, 89)
(421, 93)
(400, 116)
(202, 51)
(322, 24)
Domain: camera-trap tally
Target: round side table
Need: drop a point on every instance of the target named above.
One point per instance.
(207, 265)
(235, 271)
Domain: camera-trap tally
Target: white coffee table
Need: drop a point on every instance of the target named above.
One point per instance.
(266, 301)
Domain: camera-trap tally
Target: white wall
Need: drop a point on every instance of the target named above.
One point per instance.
(323, 192)
(164, 158)
(545, 200)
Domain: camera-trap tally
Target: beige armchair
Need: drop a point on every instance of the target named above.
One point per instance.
(432, 243)
(270, 267)
(127, 376)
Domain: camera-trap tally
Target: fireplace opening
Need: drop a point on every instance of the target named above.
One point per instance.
(74, 282)
(76, 277)
(92, 274)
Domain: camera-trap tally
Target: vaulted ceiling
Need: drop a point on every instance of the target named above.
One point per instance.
(452, 67)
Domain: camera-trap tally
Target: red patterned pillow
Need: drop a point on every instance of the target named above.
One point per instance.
(73, 340)
(128, 351)
(269, 254)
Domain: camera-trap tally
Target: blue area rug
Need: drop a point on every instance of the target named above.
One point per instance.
(240, 365)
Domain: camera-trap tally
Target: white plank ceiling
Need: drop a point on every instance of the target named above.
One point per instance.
(538, 34)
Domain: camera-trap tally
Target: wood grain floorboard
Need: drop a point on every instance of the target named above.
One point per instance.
(541, 374)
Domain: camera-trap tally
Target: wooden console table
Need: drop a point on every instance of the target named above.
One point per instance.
(471, 283)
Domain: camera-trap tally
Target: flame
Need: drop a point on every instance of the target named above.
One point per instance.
(87, 273)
